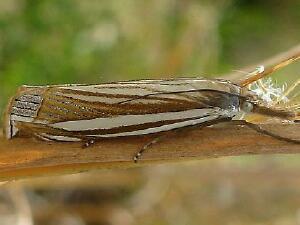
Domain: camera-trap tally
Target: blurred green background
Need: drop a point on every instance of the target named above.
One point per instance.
(64, 41)
(69, 41)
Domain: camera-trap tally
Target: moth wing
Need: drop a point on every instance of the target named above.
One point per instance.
(66, 103)
(70, 112)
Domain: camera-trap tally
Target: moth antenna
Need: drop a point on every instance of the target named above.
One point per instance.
(258, 69)
(240, 71)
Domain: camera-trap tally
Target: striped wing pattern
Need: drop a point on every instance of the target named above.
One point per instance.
(82, 112)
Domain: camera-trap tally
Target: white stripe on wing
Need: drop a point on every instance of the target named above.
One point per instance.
(129, 120)
(107, 100)
(112, 100)
(118, 90)
(162, 128)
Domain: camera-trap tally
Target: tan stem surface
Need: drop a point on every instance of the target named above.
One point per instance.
(25, 157)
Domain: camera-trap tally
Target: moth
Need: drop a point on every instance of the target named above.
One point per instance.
(88, 113)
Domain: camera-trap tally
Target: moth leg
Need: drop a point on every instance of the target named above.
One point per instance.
(88, 143)
(271, 134)
(138, 155)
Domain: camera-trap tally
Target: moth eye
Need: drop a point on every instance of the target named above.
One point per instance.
(247, 106)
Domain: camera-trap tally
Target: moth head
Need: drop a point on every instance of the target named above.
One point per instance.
(248, 100)
(268, 93)
(266, 98)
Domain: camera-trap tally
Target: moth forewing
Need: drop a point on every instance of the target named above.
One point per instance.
(129, 108)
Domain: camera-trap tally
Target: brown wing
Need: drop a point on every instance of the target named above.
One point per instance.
(65, 103)
(176, 101)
